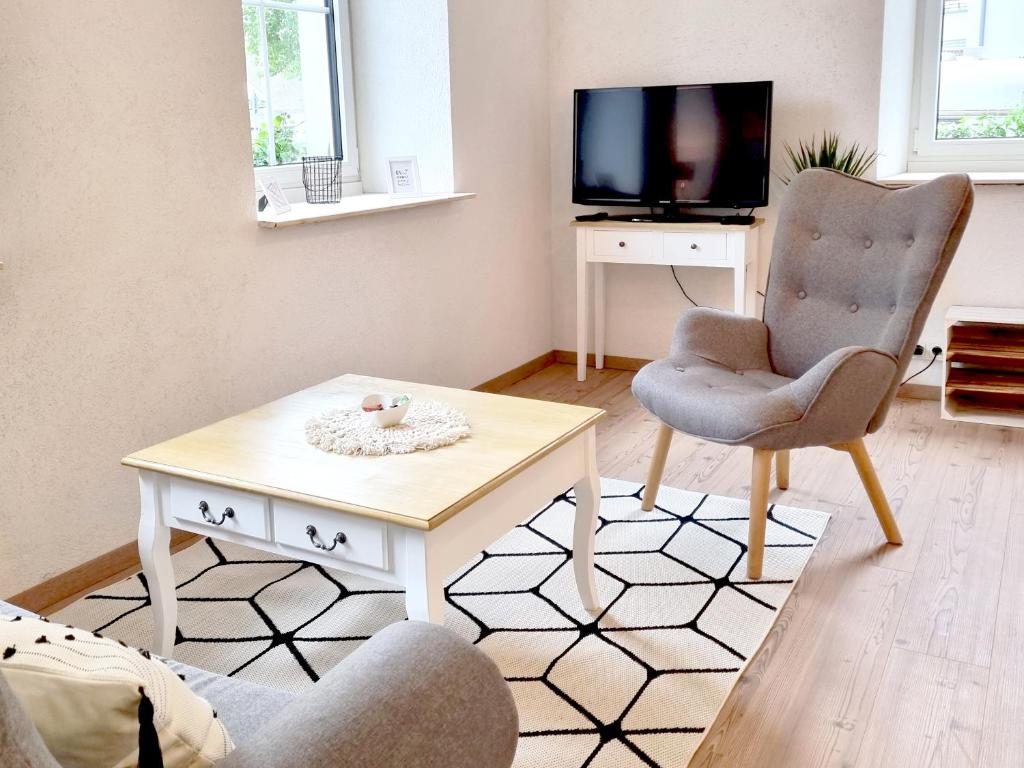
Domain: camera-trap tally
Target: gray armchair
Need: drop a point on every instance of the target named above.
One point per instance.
(855, 268)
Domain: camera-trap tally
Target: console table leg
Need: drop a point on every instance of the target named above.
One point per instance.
(740, 290)
(598, 315)
(155, 553)
(588, 504)
(581, 306)
(424, 588)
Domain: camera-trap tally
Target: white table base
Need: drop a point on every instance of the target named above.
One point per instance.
(418, 560)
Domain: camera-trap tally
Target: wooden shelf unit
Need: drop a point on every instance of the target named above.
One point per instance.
(983, 374)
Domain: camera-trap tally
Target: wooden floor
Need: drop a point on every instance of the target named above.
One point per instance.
(883, 656)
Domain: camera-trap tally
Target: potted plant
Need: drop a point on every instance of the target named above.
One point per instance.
(853, 160)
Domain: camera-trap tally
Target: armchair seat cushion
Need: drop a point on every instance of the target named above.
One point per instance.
(718, 383)
(704, 398)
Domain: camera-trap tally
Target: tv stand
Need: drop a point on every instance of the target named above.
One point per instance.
(708, 242)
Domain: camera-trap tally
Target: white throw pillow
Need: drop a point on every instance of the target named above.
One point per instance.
(96, 702)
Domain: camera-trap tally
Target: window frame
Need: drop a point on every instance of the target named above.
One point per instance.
(289, 175)
(925, 152)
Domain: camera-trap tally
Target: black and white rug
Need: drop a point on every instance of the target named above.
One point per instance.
(637, 686)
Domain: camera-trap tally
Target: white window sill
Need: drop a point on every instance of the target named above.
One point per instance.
(978, 177)
(359, 205)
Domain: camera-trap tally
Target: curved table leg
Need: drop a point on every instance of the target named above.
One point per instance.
(588, 503)
(155, 553)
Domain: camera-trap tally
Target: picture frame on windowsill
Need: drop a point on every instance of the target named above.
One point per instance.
(403, 177)
(276, 198)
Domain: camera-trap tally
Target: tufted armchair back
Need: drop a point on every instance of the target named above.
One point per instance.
(858, 264)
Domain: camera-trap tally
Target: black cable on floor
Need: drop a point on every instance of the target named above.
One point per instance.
(935, 357)
(673, 268)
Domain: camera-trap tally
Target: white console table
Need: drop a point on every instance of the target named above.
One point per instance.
(729, 246)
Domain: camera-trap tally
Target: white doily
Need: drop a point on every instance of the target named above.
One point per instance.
(351, 431)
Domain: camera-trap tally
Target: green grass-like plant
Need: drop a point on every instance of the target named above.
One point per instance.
(853, 160)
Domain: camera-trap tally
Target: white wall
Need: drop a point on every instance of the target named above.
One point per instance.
(825, 59)
(139, 298)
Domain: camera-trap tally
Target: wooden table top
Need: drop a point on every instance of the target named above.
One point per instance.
(265, 451)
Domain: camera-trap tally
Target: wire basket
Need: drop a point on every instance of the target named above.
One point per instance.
(321, 176)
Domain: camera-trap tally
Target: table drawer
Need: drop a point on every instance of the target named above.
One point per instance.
(225, 509)
(696, 248)
(363, 541)
(624, 245)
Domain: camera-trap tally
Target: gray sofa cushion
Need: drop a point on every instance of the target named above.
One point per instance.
(244, 707)
(415, 694)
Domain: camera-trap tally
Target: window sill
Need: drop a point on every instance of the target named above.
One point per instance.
(359, 205)
(978, 177)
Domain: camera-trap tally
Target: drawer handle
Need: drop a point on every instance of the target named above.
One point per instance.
(693, 246)
(204, 508)
(622, 243)
(339, 538)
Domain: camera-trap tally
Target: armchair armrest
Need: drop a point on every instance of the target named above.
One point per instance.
(735, 341)
(841, 393)
(414, 694)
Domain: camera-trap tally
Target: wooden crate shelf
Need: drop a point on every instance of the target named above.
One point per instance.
(983, 374)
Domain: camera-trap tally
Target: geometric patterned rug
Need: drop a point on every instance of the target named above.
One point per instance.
(638, 685)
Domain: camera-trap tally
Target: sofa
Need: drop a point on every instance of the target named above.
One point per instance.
(414, 694)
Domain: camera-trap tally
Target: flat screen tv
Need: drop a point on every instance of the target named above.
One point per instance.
(676, 146)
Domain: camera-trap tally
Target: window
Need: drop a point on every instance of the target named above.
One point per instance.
(969, 86)
(298, 78)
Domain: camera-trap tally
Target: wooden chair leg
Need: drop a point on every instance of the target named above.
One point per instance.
(866, 470)
(782, 469)
(657, 467)
(760, 477)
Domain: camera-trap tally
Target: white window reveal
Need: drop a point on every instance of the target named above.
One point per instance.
(299, 80)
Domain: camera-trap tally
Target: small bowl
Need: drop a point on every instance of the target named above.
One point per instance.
(387, 410)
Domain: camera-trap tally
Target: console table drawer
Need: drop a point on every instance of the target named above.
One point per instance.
(347, 538)
(625, 245)
(219, 508)
(696, 248)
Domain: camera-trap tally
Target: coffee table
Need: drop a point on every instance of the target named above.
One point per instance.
(410, 519)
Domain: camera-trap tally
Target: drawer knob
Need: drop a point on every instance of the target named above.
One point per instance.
(339, 538)
(204, 509)
(622, 243)
(693, 246)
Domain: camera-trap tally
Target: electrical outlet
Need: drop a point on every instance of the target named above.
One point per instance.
(918, 350)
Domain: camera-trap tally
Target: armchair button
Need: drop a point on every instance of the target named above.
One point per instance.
(868, 243)
(910, 241)
(892, 309)
(816, 236)
(801, 294)
(854, 307)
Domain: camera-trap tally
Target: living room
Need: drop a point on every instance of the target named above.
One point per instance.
(162, 275)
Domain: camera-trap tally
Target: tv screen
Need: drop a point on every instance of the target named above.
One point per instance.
(675, 145)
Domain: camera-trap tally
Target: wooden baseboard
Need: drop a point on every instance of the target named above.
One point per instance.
(520, 372)
(64, 588)
(919, 392)
(615, 362)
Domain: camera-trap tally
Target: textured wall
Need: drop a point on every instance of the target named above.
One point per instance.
(140, 299)
(825, 59)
